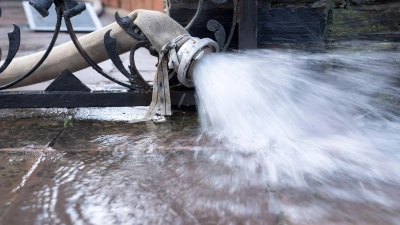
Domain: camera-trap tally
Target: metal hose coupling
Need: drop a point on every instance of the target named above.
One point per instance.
(189, 54)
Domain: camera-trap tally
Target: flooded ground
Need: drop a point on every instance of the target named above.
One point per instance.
(91, 166)
(313, 163)
(115, 172)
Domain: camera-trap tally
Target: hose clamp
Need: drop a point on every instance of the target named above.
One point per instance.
(189, 54)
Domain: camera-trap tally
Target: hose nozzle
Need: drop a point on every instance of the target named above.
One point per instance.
(189, 54)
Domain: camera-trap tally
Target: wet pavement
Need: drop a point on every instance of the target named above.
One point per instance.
(103, 169)
(114, 172)
(100, 168)
(94, 166)
(75, 131)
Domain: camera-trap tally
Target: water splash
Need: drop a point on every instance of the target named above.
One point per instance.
(322, 122)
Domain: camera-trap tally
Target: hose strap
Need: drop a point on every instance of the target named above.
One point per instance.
(161, 100)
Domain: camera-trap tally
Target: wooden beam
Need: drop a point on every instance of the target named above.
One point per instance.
(248, 24)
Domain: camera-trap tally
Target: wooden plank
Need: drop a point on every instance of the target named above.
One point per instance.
(248, 20)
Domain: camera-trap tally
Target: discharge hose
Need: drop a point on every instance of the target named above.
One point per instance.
(176, 48)
(158, 27)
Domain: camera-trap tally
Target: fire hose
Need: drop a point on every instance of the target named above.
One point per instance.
(177, 50)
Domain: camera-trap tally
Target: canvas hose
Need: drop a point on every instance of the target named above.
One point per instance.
(158, 28)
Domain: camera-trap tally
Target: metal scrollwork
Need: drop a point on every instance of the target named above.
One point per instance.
(69, 9)
(129, 27)
(135, 78)
(219, 32)
(216, 27)
(72, 95)
(86, 56)
(14, 38)
(199, 8)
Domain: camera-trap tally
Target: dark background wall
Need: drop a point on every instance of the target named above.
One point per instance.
(304, 23)
(307, 23)
(298, 23)
(363, 19)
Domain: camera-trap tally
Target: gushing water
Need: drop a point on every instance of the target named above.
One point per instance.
(324, 124)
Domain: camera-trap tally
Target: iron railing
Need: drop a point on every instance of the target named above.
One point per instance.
(67, 91)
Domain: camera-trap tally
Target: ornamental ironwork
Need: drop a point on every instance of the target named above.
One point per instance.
(138, 91)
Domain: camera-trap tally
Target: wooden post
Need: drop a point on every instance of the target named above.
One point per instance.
(248, 24)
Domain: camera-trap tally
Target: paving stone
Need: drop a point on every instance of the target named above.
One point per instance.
(15, 169)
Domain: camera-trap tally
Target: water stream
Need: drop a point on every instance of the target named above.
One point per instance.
(320, 130)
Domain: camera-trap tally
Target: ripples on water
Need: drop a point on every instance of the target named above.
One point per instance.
(323, 129)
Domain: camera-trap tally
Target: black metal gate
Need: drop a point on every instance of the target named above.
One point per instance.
(67, 91)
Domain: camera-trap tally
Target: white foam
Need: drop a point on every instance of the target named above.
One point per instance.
(304, 118)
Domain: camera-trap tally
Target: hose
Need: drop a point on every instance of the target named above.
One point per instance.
(158, 27)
